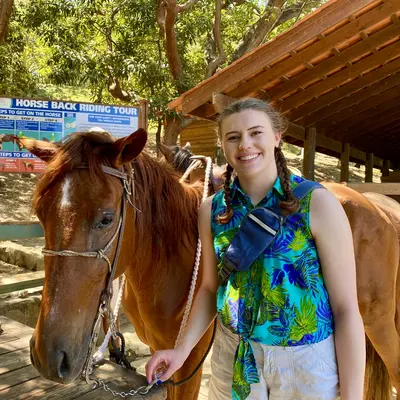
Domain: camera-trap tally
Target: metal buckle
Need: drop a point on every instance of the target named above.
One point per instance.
(224, 273)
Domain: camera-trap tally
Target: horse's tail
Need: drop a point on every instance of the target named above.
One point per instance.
(377, 384)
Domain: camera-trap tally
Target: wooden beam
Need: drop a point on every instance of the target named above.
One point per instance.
(309, 28)
(309, 152)
(329, 41)
(386, 166)
(18, 282)
(345, 90)
(385, 120)
(390, 189)
(369, 108)
(375, 94)
(221, 101)
(369, 167)
(329, 143)
(296, 131)
(340, 77)
(370, 139)
(354, 51)
(143, 114)
(344, 163)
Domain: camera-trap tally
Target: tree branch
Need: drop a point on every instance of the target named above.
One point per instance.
(167, 17)
(6, 7)
(117, 92)
(214, 64)
(186, 6)
(258, 31)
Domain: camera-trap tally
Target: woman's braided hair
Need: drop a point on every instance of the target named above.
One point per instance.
(291, 203)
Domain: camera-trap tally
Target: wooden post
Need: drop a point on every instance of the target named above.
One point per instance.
(143, 114)
(385, 168)
(369, 165)
(344, 163)
(309, 152)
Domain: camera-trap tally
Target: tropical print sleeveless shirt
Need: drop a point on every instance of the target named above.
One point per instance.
(281, 300)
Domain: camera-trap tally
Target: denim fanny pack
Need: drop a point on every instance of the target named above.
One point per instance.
(257, 232)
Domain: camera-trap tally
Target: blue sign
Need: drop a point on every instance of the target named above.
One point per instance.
(51, 121)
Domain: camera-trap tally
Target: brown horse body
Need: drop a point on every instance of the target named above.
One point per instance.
(375, 224)
(157, 253)
(157, 256)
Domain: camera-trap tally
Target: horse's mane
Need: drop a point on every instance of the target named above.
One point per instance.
(181, 159)
(168, 210)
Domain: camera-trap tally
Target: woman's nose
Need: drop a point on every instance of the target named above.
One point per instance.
(244, 144)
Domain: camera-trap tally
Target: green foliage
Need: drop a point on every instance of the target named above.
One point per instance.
(86, 43)
(15, 77)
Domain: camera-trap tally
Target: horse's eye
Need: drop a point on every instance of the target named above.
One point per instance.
(106, 221)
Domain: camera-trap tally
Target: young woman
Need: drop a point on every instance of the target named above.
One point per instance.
(289, 326)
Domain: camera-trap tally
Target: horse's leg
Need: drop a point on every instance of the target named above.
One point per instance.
(379, 299)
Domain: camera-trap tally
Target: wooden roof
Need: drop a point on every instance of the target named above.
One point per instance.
(337, 69)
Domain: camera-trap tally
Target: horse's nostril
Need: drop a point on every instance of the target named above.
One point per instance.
(62, 365)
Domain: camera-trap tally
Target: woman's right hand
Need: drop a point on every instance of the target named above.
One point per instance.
(166, 361)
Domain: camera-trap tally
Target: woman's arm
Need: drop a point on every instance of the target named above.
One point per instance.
(332, 234)
(204, 306)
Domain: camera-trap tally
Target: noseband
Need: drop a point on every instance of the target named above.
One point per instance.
(105, 298)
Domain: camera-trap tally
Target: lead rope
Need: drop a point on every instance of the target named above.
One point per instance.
(189, 303)
(99, 355)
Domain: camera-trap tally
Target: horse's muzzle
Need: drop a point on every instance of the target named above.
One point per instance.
(53, 364)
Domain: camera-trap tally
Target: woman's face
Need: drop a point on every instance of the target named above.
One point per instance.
(249, 141)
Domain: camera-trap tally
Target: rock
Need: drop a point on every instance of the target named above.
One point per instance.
(27, 257)
(23, 294)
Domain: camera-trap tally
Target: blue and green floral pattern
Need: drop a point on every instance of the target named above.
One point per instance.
(281, 300)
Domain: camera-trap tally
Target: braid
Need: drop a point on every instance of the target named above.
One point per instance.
(291, 203)
(227, 216)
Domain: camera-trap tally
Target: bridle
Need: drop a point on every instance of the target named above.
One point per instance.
(105, 298)
(127, 180)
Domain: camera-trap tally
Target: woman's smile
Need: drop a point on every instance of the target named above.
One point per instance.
(248, 158)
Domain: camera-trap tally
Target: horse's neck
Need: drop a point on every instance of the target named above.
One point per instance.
(165, 232)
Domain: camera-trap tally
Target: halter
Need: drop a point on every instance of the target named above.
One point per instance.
(105, 298)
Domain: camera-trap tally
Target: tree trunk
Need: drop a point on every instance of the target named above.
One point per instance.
(6, 7)
(173, 127)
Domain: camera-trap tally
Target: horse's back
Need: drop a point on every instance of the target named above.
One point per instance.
(382, 200)
(376, 244)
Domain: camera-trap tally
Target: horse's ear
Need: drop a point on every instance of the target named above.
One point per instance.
(186, 146)
(44, 150)
(166, 151)
(128, 148)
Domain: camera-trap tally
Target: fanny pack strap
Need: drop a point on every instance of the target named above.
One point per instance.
(256, 233)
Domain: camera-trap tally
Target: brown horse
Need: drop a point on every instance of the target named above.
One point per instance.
(375, 224)
(79, 207)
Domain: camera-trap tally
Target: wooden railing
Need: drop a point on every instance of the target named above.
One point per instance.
(21, 230)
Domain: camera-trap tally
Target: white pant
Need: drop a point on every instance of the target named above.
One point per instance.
(307, 372)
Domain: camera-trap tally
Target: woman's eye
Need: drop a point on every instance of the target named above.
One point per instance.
(232, 138)
(256, 133)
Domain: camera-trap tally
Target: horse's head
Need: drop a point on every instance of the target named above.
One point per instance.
(78, 201)
(178, 157)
